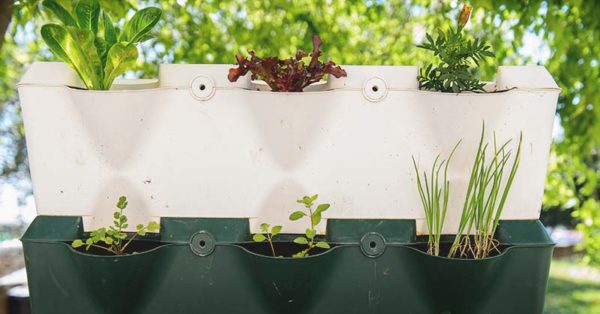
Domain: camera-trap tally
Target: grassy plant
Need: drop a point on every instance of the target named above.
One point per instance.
(90, 43)
(434, 199)
(311, 233)
(454, 73)
(267, 235)
(486, 195)
(114, 239)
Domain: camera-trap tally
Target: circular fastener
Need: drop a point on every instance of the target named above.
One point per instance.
(202, 243)
(372, 244)
(203, 88)
(375, 89)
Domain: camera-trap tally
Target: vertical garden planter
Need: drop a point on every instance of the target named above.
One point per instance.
(212, 158)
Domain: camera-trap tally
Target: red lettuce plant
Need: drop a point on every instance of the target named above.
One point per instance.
(288, 75)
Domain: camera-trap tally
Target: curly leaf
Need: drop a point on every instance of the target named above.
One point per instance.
(120, 57)
(140, 24)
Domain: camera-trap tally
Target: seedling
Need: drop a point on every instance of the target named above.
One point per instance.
(98, 52)
(485, 198)
(267, 235)
(289, 75)
(434, 199)
(113, 239)
(454, 72)
(311, 233)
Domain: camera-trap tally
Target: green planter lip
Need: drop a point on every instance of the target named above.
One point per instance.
(232, 279)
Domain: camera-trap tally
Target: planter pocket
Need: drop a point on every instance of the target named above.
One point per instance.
(202, 266)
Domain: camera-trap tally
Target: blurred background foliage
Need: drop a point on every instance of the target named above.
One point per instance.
(561, 35)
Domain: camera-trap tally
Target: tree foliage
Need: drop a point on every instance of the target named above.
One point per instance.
(365, 32)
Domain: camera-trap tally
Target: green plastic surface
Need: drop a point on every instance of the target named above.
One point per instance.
(171, 279)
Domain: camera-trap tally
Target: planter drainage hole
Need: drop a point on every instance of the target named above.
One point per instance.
(372, 244)
(375, 88)
(203, 88)
(202, 243)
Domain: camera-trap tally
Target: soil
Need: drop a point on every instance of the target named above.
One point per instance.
(138, 246)
(285, 249)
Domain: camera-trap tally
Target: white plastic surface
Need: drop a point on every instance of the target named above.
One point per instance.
(248, 153)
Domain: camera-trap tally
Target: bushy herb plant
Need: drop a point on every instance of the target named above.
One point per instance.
(314, 216)
(288, 75)
(434, 198)
(457, 53)
(113, 239)
(268, 233)
(90, 43)
(487, 191)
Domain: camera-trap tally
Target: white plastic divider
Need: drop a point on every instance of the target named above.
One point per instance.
(229, 150)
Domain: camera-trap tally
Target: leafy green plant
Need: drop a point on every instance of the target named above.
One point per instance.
(267, 235)
(315, 218)
(288, 75)
(90, 43)
(114, 239)
(434, 198)
(456, 53)
(486, 195)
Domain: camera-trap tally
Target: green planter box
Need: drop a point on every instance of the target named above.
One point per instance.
(202, 266)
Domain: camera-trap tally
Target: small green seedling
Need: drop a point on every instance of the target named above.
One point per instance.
(90, 43)
(113, 239)
(311, 233)
(454, 72)
(267, 235)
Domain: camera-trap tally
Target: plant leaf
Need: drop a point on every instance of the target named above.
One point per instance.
(264, 227)
(122, 202)
(323, 245)
(140, 24)
(311, 233)
(259, 237)
(88, 13)
(120, 57)
(322, 207)
(60, 12)
(275, 230)
(76, 48)
(296, 215)
(77, 243)
(153, 226)
(301, 240)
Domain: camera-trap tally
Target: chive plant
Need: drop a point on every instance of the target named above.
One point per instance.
(434, 198)
(486, 195)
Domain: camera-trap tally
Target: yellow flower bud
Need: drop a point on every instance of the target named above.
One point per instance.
(465, 13)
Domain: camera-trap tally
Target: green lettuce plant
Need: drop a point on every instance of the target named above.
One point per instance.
(314, 216)
(113, 239)
(487, 191)
(454, 72)
(267, 235)
(90, 43)
(434, 198)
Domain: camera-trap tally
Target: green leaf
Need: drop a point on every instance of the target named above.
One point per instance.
(140, 24)
(88, 13)
(139, 227)
(110, 35)
(322, 207)
(60, 12)
(259, 237)
(311, 233)
(153, 226)
(108, 240)
(301, 240)
(275, 230)
(323, 245)
(76, 48)
(120, 57)
(122, 202)
(77, 243)
(296, 215)
(316, 217)
(264, 227)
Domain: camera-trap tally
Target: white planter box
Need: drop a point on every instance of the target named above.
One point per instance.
(227, 150)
